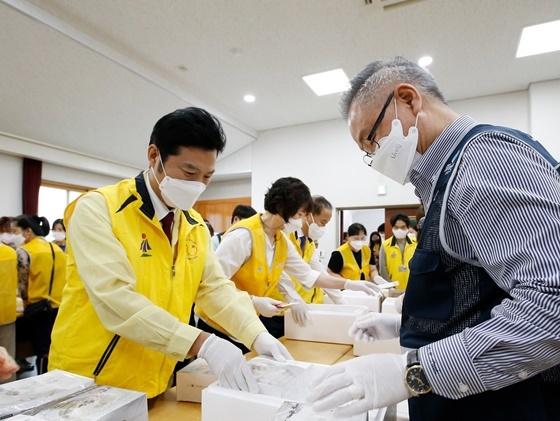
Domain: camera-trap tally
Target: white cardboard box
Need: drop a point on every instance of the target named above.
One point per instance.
(388, 305)
(96, 403)
(359, 298)
(286, 381)
(192, 379)
(329, 323)
(22, 395)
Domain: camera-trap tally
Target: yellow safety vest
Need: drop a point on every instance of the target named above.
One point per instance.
(8, 284)
(314, 295)
(350, 269)
(40, 269)
(79, 339)
(397, 263)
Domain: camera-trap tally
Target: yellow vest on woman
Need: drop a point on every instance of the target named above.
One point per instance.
(314, 295)
(8, 284)
(397, 263)
(79, 339)
(40, 269)
(350, 269)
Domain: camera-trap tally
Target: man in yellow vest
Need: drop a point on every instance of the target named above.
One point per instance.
(396, 252)
(139, 257)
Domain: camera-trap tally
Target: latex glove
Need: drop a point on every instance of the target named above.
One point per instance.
(376, 326)
(266, 306)
(379, 280)
(364, 383)
(368, 287)
(227, 362)
(266, 344)
(300, 313)
(7, 364)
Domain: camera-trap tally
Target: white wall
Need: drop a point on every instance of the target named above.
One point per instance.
(60, 174)
(544, 115)
(10, 185)
(227, 189)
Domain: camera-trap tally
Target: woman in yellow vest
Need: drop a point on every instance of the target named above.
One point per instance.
(254, 253)
(8, 292)
(42, 275)
(354, 258)
(59, 233)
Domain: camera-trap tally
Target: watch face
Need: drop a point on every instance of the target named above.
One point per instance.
(416, 380)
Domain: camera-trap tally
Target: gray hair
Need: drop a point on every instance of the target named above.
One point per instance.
(383, 76)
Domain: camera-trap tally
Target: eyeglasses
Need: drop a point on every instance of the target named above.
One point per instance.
(368, 156)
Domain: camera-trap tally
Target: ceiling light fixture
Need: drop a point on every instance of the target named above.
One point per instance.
(249, 98)
(539, 39)
(329, 82)
(425, 61)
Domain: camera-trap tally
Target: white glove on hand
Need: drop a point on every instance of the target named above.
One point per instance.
(266, 306)
(376, 326)
(300, 313)
(364, 383)
(227, 362)
(368, 287)
(266, 344)
(379, 280)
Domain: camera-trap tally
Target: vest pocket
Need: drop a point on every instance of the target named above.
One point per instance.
(105, 357)
(429, 293)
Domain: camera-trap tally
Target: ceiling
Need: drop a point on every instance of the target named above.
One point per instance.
(94, 75)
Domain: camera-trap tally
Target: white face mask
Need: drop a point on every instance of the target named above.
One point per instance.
(18, 239)
(180, 194)
(358, 244)
(292, 225)
(397, 154)
(315, 231)
(7, 237)
(58, 235)
(399, 234)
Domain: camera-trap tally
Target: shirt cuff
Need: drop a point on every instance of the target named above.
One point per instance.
(182, 341)
(449, 368)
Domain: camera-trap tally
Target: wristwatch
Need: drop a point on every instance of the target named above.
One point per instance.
(415, 378)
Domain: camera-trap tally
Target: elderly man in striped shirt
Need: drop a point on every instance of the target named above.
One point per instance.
(481, 315)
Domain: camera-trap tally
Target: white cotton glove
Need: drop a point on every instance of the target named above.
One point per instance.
(376, 326)
(368, 287)
(364, 383)
(399, 303)
(300, 312)
(227, 362)
(266, 306)
(266, 344)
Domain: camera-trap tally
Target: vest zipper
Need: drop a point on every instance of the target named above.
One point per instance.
(105, 357)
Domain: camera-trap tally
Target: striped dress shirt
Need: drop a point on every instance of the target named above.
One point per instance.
(502, 213)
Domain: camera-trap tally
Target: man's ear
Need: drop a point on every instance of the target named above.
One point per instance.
(410, 96)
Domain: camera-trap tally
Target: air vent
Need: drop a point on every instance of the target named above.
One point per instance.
(387, 3)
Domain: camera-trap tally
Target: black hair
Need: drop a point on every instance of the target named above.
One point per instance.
(320, 203)
(355, 229)
(38, 224)
(5, 224)
(188, 127)
(59, 221)
(372, 242)
(381, 228)
(209, 226)
(286, 196)
(243, 212)
(400, 217)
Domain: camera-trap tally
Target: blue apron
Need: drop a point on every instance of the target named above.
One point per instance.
(445, 295)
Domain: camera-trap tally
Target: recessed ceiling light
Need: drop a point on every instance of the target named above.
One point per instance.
(539, 39)
(329, 82)
(249, 98)
(425, 61)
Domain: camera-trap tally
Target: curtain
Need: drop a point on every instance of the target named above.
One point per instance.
(30, 187)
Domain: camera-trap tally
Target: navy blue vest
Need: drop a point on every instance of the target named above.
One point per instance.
(445, 295)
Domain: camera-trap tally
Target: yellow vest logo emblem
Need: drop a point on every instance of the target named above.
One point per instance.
(192, 250)
(145, 246)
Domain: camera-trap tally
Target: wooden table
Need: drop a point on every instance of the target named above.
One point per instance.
(166, 408)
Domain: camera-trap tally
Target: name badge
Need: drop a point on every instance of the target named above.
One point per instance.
(403, 268)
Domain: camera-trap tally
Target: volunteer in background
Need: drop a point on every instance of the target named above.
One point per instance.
(397, 251)
(255, 251)
(239, 213)
(303, 239)
(139, 256)
(59, 234)
(8, 293)
(481, 314)
(41, 278)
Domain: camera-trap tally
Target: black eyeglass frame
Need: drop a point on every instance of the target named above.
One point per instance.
(369, 138)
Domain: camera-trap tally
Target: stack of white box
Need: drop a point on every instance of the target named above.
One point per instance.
(359, 298)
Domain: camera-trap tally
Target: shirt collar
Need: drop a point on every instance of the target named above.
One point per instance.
(160, 208)
(425, 173)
